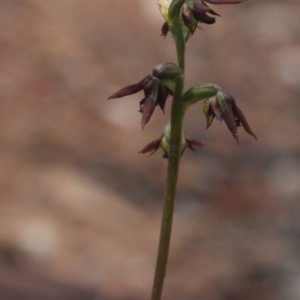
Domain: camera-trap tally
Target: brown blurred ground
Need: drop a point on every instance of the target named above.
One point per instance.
(81, 208)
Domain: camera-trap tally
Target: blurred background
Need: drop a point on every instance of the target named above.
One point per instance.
(80, 208)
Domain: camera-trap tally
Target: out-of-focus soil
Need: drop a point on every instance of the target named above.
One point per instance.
(81, 207)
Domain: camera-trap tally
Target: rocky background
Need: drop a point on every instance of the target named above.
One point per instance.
(80, 209)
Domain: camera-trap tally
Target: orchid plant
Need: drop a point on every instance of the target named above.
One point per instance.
(167, 79)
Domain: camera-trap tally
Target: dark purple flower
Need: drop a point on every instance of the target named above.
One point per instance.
(223, 107)
(157, 86)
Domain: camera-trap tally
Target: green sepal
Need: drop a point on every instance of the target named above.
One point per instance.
(222, 102)
(167, 73)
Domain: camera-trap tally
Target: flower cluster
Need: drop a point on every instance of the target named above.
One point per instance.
(163, 80)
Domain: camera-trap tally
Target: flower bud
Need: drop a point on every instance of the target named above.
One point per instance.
(164, 8)
(164, 142)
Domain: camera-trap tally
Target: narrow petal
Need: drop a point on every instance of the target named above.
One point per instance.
(148, 109)
(230, 121)
(226, 104)
(214, 13)
(128, 90)
(204, 18)
(240, 117)
(191, 142)
(164, 30)
(151, 91)
(131, 89)
(151, 147)
(162, 96)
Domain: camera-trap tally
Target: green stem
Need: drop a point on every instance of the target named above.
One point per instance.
(180, 47)
(178, 30)
(177, 114)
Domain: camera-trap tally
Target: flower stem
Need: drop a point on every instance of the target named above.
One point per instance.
(177, 115)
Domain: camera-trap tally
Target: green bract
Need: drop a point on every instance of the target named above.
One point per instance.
(198, 93)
